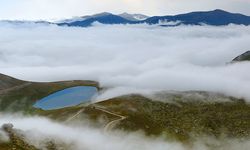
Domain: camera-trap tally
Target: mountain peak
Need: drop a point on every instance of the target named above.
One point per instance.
(124, 13)
(102, 14)
(220, 10)
(133, 17)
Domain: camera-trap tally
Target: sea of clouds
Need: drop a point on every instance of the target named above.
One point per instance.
(130, 58)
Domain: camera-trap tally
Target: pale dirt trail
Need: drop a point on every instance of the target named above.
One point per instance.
(108, 126)
(111, 124)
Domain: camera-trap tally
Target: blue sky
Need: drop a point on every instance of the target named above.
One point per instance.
(58, 9)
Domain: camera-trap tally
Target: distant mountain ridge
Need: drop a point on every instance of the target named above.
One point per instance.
(215, 18)
(104, 18)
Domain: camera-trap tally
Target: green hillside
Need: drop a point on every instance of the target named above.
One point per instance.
(9, 82)
(21, 95)
(178, 120)
(181, 116)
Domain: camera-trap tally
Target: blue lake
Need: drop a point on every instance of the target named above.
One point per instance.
(67, 97)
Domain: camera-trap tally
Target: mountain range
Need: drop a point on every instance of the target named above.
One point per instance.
(215, 17)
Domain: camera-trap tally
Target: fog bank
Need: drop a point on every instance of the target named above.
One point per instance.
(36, 130)
(129, 57)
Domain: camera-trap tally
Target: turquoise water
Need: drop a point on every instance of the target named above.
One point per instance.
(68, 97)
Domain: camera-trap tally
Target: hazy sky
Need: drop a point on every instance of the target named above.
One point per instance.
(57, 9)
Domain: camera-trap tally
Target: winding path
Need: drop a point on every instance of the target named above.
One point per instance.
(108, 126)
(111, 124)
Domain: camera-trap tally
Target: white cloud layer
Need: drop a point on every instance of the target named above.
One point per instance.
(37, 130)
(138, 57)
(83, 137)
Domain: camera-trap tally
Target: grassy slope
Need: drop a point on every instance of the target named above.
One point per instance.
(8, 82)
(179, 120)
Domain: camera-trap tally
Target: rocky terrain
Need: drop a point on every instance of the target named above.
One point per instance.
(16, 140)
